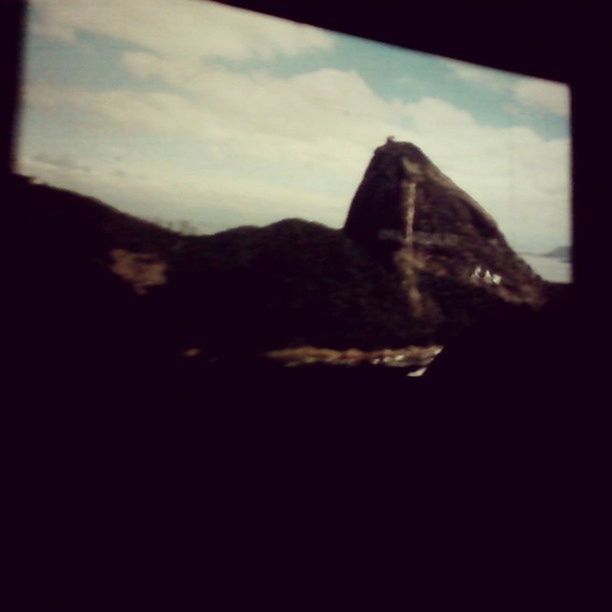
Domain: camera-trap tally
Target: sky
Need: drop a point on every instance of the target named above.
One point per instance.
(193, 110)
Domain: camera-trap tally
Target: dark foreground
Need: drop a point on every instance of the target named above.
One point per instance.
(134, 460)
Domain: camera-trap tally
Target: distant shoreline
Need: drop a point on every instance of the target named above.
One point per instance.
(549, 268)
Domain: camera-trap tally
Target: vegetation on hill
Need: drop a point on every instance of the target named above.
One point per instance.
(111, 284)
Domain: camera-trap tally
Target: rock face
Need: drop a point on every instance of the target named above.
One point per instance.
(417, 262)
(410, 215)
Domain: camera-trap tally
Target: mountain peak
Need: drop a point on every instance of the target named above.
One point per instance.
(406, 209)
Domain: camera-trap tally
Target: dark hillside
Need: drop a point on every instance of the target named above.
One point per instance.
(418, 263)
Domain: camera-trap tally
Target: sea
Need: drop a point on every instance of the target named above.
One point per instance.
(550, 268)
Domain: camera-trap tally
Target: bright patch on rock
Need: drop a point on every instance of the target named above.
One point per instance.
(141, 270)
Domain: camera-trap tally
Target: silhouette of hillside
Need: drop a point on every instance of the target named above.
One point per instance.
(114, 288)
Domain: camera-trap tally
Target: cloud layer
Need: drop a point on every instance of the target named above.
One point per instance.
(528, 93)
(175, 28)
(295, 145)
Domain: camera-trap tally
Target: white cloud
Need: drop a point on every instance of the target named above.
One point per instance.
(314, 134)
(179, 28)
(294, 146)
(479, 75)
(151, 112)
(543, 96)
(260, 102)
(529, 93)
(62, 161)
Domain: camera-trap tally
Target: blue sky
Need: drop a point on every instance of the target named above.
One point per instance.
(178, 109)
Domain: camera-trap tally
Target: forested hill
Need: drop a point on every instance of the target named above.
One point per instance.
(104, 289)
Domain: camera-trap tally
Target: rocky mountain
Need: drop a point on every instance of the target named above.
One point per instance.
(405, 207)
(417, 262)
